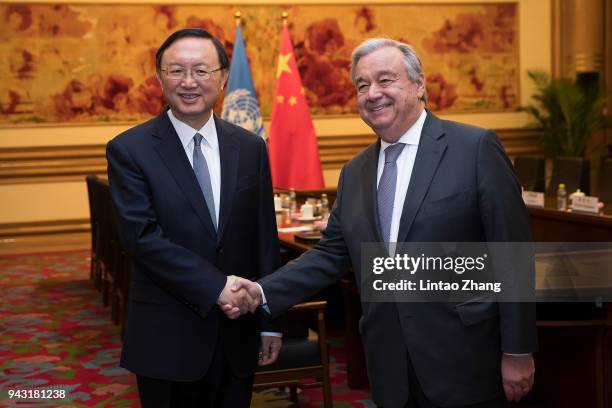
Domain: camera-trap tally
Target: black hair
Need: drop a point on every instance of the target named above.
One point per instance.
(191, 32)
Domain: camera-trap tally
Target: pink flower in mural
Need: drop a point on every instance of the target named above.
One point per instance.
(18, 17)
(364, 20)
(167, 14)
(148, 97)
(507, 96)
(9, 105)
(62, 20)
(491, 31)
(441, 94)
(114, 92)
(324, 36)
(78, 96)
(208, 25)
(324, 67)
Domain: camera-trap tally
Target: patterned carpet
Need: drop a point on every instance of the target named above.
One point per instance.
(56, 337)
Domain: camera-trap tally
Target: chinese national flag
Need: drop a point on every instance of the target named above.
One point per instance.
(294, 156)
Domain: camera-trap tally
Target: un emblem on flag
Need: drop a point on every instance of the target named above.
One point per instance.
(240, 108)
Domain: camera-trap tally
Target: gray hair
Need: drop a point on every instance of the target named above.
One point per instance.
(412, 63)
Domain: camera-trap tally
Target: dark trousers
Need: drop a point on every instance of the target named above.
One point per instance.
(419, 400)
(219, 388)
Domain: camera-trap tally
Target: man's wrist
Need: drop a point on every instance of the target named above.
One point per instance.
(223, 288)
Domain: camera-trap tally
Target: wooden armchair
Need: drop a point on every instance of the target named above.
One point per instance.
(300, 359)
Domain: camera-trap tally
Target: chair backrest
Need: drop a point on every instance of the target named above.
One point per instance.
(531, 172)
(604, 187)
(101, 197)
(574, 172)
(91, 181)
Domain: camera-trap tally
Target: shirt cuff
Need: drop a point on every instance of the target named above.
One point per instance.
(264, 302)
(271, 334)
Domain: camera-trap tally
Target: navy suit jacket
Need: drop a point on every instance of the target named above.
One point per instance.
(180, 263)
(462, 189)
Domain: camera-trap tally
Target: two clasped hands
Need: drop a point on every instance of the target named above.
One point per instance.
(239, 296)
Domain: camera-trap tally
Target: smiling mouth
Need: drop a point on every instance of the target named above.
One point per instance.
(378, 107)
(189, 97)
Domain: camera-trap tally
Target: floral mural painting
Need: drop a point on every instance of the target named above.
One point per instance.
(68, 63)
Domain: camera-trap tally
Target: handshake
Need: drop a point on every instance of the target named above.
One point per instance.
(239, 296)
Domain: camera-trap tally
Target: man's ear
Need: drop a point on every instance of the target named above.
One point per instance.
(224, 77)
(420, 86)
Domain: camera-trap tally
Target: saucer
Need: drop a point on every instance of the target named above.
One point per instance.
(308, 218)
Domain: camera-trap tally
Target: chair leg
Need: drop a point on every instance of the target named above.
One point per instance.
(92, 265)
(97, 275)
(327, 398)
(115, 303)
(122, 315)
(105, 286)
(327, 394)
(293, 393)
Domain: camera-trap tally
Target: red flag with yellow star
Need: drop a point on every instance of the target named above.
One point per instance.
(294, 155)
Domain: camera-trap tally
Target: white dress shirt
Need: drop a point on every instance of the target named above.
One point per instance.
(405, 163)
(210, 150)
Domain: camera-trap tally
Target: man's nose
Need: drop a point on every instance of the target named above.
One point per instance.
(374, 92)
(188, 81)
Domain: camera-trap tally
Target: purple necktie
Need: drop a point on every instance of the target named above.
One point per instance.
(385, 195)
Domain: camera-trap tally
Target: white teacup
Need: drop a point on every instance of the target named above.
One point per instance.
(307, 211)
(278, 203)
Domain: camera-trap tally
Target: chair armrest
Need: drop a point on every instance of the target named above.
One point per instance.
(315, 305)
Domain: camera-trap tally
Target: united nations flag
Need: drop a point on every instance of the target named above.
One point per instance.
(240, 105)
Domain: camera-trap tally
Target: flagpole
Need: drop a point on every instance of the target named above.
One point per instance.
(284, 16)
(237, 17)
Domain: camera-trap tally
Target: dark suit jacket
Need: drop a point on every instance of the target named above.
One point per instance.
(462, 188)
(180, 263)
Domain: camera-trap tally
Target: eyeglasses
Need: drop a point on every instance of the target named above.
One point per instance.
(178, 73)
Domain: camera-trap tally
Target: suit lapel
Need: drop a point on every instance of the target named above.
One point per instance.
(229, 150)
(369, 171)
(172, 154)
(430, 151)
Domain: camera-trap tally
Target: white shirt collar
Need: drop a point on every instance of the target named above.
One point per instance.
(186, 132)
(412, 135)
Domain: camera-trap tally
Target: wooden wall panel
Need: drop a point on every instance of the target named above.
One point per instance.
(71, 163)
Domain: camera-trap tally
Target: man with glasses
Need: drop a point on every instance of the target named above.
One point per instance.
(193, 198)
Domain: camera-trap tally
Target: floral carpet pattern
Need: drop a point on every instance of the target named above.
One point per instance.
(55, 337)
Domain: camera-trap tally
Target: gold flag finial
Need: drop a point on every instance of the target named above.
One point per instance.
(284, 16)
(237, 17)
